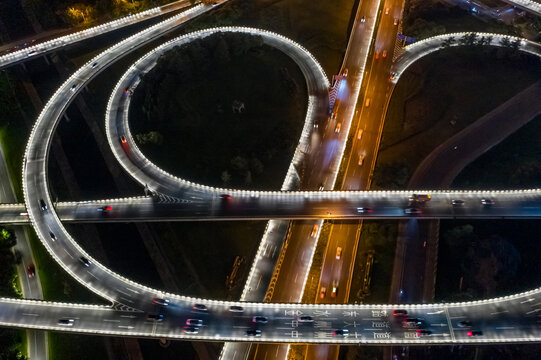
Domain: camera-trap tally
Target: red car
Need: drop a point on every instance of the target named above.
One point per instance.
(31, 271)
(322, 293)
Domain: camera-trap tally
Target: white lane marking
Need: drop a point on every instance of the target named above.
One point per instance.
(26, 314)
(126, 299)
(499, 312)
(66, 251)
(437, 312)
(533, 311)
(123, 292)
(110, 320)
(134, 291)
(94, 276)
(258, 282)
(126, 327)
(449, 324)
(525, 301)
(128, 316)
(505, 328)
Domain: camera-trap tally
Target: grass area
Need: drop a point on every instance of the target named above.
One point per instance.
(13, 344)
(322, 26)
(13, 130)
(239, 135)
(512, 164)
(491, 257)
(12, 341)
(204, 253)
(56, 283)
(64, 346)
(379, 238)
(423, 19)
(432, 102)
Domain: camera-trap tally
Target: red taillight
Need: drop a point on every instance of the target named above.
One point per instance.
(470, 333)
(107, 208)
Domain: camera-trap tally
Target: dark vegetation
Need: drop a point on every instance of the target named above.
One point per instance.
(425, 18)
(53, 14)
(241, 135)
(439, 95)
(11, 341)
(512, 164)
(498, 253)
(9, 258)
(378, 238)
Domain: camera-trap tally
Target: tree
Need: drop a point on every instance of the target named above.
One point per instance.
(505, 42)
(468, 39)
(239, 163)
(515, 45)
(248, 178)
(448, 42)
(226, 178)
(80, 14)
(221, 51)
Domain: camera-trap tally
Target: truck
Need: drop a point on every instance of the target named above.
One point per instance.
(420, 198)
(335, 109)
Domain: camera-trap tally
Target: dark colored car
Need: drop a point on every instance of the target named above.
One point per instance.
(457, 202)
(413, 211)
(253, 332)
(104, 209)
(411, 323)
(236, 309)
(155, 317)
(260, 319)
(42, 205)
(84, 261)
(305, 319)
(160, 301)
(53, 236)
(400, 312)
(199, 307)
(464, 324)
(191, 329)
(31, 270)
(423, 332)
(341, 332)
(66, 322)
(194, 322)
(475, 333)
(487, 202)
(225, 196)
